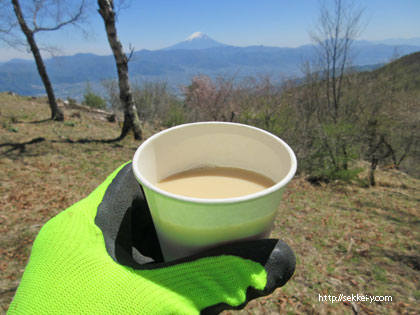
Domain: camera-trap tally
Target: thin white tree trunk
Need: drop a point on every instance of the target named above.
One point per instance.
(131, 119)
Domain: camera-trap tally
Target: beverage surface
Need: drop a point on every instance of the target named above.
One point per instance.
(215, 183)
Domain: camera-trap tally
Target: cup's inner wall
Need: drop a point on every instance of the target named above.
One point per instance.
(201, 146)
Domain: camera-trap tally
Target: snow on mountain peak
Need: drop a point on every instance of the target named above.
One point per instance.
(198, 40)
(196, 35)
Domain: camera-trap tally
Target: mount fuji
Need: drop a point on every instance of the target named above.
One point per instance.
(197, 40)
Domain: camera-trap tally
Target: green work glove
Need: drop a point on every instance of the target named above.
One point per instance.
(102, 256)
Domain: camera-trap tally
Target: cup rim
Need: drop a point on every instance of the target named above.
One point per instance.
(283, 182)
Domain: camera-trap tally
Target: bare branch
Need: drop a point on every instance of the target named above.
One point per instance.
(131, 48)
(7, 23)
(73, 19)
(37, 7)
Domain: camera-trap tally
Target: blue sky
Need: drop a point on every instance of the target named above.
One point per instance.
(155, 24)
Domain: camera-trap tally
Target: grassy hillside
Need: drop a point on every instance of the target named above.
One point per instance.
(406, 69)
(348, 239)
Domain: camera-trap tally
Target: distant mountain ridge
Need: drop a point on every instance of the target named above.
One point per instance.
(177, 64)
(399, 41)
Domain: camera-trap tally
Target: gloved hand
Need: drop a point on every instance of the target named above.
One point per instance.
(102, 256)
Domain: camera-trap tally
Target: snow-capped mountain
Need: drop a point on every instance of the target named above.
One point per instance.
(197, 40)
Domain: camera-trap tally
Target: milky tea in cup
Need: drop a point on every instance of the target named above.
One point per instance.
(212, 183)
(215, 182)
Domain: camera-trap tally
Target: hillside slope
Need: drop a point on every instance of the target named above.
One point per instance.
(405, 68)
(348, 239)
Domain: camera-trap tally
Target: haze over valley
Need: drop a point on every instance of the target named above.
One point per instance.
(177, 64)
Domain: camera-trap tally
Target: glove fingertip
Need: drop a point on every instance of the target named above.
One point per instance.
(275, 256)
(280, 266)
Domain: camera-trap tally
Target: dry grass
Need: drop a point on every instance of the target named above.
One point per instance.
(347, 238)
(350, 240)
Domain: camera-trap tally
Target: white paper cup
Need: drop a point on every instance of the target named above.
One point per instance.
(187, 225)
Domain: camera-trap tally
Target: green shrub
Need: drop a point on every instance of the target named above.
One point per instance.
(72, 101)
(175, 116)
(94, 101)
(9, 127)
(69, 123)
(330, 174)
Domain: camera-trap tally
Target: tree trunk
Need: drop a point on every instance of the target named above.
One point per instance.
(373, 164)
(131, 119)
(56, 112)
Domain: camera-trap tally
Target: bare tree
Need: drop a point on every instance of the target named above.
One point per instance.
(210, 100)
(154, 100)
(112, 94)
(338, 25)
(258, 101)
(46, 16)
(131, 119)
(267, 102)
(388, 118)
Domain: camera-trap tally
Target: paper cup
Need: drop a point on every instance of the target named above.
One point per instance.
(187, 225)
